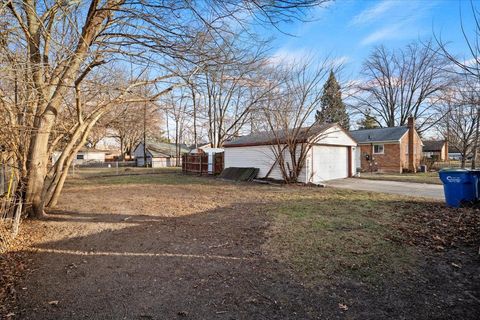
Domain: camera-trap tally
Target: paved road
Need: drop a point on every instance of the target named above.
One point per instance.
(433, 191)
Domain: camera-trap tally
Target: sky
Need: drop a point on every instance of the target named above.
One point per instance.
(349, 29)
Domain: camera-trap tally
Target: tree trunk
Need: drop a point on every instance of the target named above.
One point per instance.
(54, 191)
(37, 165)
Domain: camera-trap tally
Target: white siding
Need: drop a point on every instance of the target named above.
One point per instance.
(327, 160)
(261, 157)
(336, 136)
(87, 156)
(92, 156)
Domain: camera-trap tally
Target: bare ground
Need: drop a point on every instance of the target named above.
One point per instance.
(205, 249)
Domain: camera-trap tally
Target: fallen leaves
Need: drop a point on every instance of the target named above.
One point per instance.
(439, 227)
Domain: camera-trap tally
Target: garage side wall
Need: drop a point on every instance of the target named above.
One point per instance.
(261, 157)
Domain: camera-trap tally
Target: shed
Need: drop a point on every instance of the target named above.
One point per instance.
(159, 154)
(330, 153)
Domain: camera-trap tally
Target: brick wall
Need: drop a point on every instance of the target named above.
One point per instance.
(389, 161)
(395, 156)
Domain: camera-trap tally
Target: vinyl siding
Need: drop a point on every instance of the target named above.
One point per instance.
(261, 157)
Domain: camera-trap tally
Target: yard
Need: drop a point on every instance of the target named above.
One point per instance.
(155, 244)
(420, 177)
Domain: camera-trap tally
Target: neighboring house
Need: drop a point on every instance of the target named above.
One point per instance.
(159, 154)
(392, 149)
(330, 156)
(206, 148)
(435, 149)
(84, 156)
(454, 153)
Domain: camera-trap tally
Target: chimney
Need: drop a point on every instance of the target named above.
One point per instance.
(411, 144)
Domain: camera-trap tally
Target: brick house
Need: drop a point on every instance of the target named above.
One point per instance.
(392, 149)
(435, 149)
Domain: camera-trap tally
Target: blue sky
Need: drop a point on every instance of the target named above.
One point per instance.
(348, 29)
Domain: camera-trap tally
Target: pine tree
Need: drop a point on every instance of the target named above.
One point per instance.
(332, 107)
(368, 122)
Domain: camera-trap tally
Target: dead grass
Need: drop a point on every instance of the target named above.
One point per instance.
(321, 233)
(421, 177)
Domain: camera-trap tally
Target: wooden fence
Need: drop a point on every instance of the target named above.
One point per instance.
(201, 164)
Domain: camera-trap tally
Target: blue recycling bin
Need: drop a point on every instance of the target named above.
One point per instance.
(460, 186)
(476, 173)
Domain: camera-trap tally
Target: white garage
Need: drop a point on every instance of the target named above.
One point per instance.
(330, 154)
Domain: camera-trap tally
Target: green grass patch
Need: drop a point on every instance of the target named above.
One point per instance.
(339, 233)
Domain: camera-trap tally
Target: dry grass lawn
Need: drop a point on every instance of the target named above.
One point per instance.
(155, 244)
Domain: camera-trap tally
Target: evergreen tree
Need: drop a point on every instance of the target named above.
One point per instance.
(332, 107)
(368, 122)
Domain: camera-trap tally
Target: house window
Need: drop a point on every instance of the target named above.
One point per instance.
(80, 156)
(378, 149)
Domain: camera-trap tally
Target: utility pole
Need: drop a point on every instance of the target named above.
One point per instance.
(145, 134)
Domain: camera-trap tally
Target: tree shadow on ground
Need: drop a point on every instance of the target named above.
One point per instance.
(213, 265)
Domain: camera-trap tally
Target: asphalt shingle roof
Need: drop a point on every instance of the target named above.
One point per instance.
(433, 145)
(268, 137)
(379, 134)
(163, 149)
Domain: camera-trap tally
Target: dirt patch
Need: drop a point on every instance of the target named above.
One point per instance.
(168, 246)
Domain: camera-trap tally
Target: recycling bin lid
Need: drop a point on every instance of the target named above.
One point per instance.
(454, 170)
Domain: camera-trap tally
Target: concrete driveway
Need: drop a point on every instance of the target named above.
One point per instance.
(432, 191)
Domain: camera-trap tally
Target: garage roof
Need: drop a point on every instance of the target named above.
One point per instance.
(379, 134)
(268, 137)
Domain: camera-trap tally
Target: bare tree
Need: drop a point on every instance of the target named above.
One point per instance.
(401, 83)
(461, 118)
(126, 125)
(468, 68)
(289, 115)
(59, 43)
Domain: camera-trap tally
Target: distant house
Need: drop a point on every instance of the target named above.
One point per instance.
(159, 154)
(84, 156)
(392, 149)
(330, 155)
(206, 148)
(454, 153)
(435, 149)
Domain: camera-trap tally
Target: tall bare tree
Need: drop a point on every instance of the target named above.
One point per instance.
(59, 44)
(460, 120)
(400, 83)
(289, 114)
(468, 67)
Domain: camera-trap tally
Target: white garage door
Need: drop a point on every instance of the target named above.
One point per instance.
(329, 163)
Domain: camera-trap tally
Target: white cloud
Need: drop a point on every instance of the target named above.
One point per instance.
(393, 19)
(384, 33)
(289, 57)
(373, 13)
